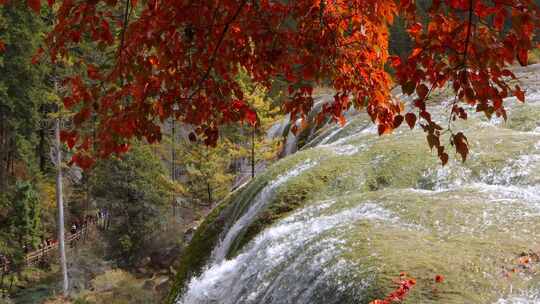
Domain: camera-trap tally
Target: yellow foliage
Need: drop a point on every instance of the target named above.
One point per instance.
(534, 56)
(48, 195)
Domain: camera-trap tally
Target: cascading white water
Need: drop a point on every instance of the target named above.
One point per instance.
(527, 297)
(291, 144)
(388, 206)
(333, 133)
(276, 266)
(257, 205)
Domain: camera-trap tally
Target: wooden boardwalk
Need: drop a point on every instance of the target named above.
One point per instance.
(34, 257)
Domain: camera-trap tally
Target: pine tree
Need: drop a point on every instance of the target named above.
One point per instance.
(25, 219)
(134, 190)
(23, 93)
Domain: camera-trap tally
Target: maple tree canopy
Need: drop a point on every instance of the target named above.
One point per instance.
(180, 59)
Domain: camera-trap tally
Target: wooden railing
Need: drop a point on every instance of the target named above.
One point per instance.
(35, 256)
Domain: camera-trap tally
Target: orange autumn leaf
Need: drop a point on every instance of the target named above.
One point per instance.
(416, 52)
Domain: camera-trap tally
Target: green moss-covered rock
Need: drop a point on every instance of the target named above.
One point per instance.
(474, 237)
(197, 253)
(467, 221)
(470, 237)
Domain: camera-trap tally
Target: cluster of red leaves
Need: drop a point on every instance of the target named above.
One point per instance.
(180, 59)
(465, 45)
(404, 285)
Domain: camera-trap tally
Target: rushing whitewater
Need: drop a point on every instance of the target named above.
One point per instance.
(337, 221)
(290, 246)
(259, 202)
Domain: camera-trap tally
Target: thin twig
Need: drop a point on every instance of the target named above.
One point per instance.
(468, 38)
(124, 28)
(214, 53)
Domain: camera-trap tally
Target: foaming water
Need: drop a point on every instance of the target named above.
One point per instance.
(365, 130)
(334, 133)
(525, 297)
(515, 172)
(260, 201)
(282, 261)
(299, 258)
(346, 149)
(291, 144)
(341, 146)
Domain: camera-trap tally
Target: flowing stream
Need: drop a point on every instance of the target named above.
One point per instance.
(259, 203)
(367, 208)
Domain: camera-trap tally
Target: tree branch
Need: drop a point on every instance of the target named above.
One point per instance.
(214, 53)
(124, 28)
(468, 38)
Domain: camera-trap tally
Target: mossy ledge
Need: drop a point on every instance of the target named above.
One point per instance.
(197, 253)
(404, 170)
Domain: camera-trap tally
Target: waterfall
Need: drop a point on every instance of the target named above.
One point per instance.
(291, 144)
(269, 268)
(372, 207)
(333, 133)
(257, 205)
(276, 130)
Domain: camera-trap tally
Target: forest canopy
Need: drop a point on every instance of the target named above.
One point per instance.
(181, 59)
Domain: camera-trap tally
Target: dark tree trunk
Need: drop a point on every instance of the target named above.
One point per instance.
(253, 153)
(42, 133)
(4, 270)
(11, 284)
(41, 150)
(173, 152)
(9, 162)
(209, 190)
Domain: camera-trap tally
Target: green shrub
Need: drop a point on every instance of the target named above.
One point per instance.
(135, 191)
(116, 287)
